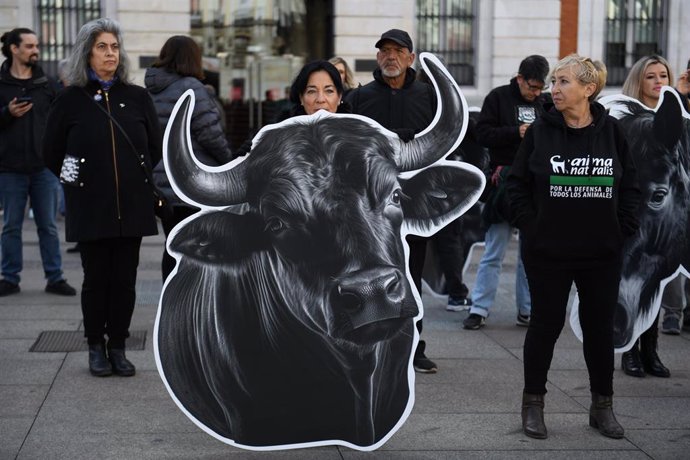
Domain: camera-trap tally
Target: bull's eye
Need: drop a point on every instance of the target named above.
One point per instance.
(397, 197)
(275, 225)
(658, 197)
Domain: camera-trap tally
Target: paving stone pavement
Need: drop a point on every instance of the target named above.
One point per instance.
(51, 408)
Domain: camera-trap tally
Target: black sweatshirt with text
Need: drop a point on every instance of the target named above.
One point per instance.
(574, 192)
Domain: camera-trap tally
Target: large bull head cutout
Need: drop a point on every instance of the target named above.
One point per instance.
(289, 320)
(660, 143)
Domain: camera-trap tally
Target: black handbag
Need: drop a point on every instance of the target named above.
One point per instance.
(161, 206)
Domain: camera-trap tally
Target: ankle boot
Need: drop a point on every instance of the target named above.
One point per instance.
(650, 359)
(631, 363)
(98, 363)
(533, 415)
(121, 365)
(601, 416)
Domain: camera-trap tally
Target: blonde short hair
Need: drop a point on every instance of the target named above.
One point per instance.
(586, 71)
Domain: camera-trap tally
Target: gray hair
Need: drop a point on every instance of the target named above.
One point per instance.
(78, 62)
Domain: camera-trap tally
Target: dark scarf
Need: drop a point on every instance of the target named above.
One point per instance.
(105, 85)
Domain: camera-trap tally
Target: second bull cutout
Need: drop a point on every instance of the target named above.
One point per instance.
(289, 320)
(660, 250)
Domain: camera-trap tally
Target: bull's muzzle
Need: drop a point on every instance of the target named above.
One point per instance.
(373, 295)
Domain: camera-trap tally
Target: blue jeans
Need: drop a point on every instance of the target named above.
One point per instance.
(43, 189)
(486, 283)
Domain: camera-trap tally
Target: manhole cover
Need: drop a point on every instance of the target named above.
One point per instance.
(63, 341)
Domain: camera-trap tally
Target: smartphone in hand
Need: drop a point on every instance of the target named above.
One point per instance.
(23, 99)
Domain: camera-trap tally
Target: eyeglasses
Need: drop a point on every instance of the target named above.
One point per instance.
(535, 88)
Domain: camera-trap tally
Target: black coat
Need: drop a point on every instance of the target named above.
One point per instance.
(498, 127)
(208, 138)
(115, 199)
(405, 111)
(20, 138)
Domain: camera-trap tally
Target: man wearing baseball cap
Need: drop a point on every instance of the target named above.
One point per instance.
(400, 103)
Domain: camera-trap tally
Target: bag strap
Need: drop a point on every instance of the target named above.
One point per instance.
(140, 160)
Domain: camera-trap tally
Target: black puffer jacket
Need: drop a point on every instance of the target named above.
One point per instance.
(20, 138)
(208, 139)
(115, 199)
(405, 111)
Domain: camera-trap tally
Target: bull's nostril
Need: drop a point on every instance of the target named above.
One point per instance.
(349, 301)
(392, 284)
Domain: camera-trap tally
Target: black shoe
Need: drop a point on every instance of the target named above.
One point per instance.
(522, 320)
(421, 363)
(631, 362)
(98, 363)
(458, 303)
(533, 416)
(60, 288)
(602, 418)
(651, 363)
(473, 322)
(671, 324)
(7, 288)
(121, 365)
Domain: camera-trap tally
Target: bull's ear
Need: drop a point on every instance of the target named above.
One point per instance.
(668, 121)
(219, 237)
(438, 195)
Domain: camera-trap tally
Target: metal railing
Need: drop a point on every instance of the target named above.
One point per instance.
(447, 28)
(57, 24)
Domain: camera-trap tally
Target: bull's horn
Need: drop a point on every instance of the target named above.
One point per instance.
(195, 184)
(447, 129)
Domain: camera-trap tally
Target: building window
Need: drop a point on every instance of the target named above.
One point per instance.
(57, 24)
(447, 29)
(634, 28)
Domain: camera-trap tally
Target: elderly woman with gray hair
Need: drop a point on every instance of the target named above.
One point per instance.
(101, 139)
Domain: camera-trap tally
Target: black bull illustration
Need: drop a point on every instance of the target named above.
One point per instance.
(289, 319)
(660, 143)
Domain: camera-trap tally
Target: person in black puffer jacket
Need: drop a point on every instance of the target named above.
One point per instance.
(178, 69)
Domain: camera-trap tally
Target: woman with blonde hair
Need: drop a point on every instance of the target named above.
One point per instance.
(644, 82)
(573, 190)
(648, 75)
(345, 72)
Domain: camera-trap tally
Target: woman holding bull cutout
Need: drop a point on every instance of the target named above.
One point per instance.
(573, 189)
(644, 82)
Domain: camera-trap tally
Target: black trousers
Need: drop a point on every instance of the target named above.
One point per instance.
(450, 247)
(417, 256)
(109, 289)
(597, 289)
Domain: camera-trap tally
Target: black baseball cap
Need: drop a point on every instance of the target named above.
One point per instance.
(398, 36)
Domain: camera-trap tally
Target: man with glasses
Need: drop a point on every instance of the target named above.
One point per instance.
(506, 114)
(406, 106)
